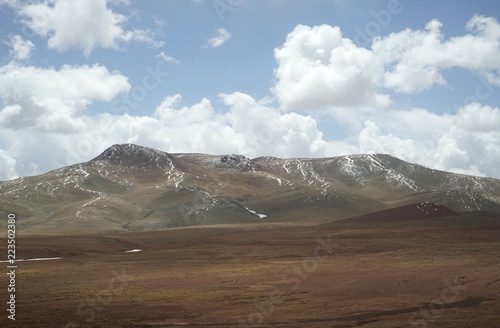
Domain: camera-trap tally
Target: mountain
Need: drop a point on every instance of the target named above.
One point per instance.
(404, 214)
(135, 188)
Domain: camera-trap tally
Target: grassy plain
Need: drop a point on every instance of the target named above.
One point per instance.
(371, 271)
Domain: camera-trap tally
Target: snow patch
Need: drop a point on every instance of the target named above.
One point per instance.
(261, 216)
(136, 250)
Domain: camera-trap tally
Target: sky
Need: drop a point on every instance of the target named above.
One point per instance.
(419, 80)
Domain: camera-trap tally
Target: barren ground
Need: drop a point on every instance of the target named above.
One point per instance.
(364, 272)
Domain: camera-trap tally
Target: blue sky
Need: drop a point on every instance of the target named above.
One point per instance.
(416, 79)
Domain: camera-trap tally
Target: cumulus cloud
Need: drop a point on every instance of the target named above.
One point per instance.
(218, 39)
(8, 166)
(247, 127)
(50, 99)
(21, 49)
(44, 108)
(414, 59)
(81, 24)
(265, 130)
(465, 142)
(319, 68)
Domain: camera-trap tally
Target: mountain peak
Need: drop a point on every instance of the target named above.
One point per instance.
(134, 155)
(130, 187)
(236, 161)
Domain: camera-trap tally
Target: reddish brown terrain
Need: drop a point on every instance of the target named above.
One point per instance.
(419, 265)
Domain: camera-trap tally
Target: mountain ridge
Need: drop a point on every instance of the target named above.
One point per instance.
(130, 187)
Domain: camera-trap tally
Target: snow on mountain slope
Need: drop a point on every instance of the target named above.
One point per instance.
(362, 168)
(129, 187)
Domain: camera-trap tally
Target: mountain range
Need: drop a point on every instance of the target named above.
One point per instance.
(134, 188)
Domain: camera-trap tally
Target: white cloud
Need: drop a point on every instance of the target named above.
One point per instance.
(318, 68)
(81, 24)
(7, 165)
(167, 58)
(265, 130)
(169, 112)
(414, 59)
(21, 49)
(247, 127)
(465, 142)
(219, 39)
(479, 119)
(51, 99)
